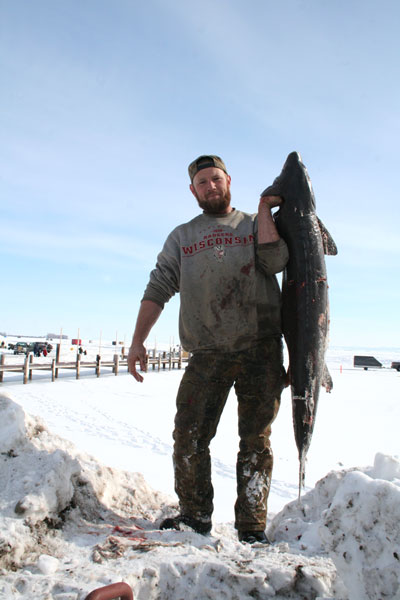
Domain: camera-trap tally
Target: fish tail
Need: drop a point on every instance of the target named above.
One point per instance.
(302, 470)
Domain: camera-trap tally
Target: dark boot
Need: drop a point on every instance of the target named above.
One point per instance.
(198, 526)
(253, 537)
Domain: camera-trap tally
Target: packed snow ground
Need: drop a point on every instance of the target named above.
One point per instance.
(77, 511)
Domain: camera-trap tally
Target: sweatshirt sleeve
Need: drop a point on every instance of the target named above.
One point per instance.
(165, 278)
(272, 257)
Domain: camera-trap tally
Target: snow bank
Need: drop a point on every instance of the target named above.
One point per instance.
(42, 477)
(361, 531)
(69, 525)
(353, 515)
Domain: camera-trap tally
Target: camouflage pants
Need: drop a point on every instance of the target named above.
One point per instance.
(258, 376)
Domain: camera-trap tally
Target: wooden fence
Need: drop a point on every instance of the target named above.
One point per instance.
(164, 360)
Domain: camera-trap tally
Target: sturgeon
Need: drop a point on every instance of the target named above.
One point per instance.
(305, 309)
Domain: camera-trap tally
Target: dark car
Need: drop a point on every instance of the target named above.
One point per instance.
(21, 348)
(38, 348)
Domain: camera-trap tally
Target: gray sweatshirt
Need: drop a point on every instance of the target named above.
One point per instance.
(229, 294)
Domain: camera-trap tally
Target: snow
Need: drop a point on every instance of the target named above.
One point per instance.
(86, 476)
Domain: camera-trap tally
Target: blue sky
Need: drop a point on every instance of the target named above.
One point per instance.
(104, 104)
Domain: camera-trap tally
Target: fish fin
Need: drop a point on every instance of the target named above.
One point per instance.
(327, 381)
(287, 378)
(330, 247)
(272, 190)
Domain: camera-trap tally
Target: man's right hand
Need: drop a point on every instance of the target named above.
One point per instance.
(137, 353)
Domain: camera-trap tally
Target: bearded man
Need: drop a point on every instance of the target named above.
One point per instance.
(223, 263)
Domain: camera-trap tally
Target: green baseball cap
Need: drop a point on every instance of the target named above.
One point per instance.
(204, 162)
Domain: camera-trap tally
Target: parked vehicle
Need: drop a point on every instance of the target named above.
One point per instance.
(36, 347)
(367, 362)
(39, 348)
(395, 365)
(21, 348)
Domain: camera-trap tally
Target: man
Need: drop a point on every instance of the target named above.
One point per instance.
(223, 262)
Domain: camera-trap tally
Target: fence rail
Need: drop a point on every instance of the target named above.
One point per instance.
(163, 361)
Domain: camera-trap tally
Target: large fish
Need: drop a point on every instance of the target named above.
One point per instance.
(305, 311)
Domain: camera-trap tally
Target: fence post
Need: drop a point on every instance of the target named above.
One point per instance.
(159, 361)
(116, 364)
(30, 362)
(58, 351)
(78, 365)
(25, 369)
(3, 362)
(53, 369)
(98, 361)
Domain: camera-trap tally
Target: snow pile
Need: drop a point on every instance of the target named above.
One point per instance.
(361, 530)
(37, 493)
(42, 477)
(69, 525)
(353, 515)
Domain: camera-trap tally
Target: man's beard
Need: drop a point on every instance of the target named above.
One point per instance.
(215, 205)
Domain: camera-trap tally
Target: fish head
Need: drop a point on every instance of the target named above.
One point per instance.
(297, 190)
(294, 186)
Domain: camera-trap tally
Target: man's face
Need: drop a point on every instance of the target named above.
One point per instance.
(211, 187)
